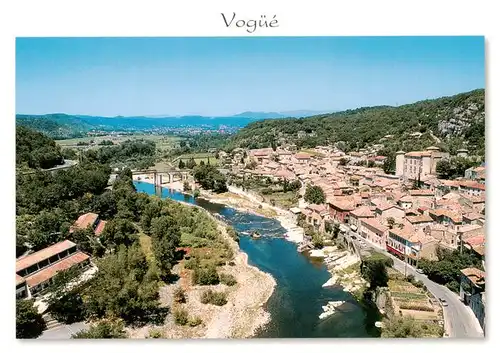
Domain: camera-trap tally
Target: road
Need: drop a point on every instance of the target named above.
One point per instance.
(63, 332)
(460, 321)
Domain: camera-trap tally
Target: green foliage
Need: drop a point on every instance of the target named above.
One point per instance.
(446, 270)
(135, 153)
(205, 276)
(317, 240)
(182, 165)
(125, 286)
(118, 232)
(179, 295)
(195, 321)
(181, 316)
(155, 334)
(165, 235)
(29, 323)
(404, 327)
(36, 150)
(186, 186)
(212, 297)
(315, 194)
(44, 190)
(191, 163)
(374, 270)
(361, 127)
(455, 167)
(196, 193)
(103, 329)
(210, 178)
(227, 279)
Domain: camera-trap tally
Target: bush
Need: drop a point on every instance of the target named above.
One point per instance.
(196, 193)
(212, 297)
(193, 322)
(179, 295)
(205, 276)
(227, 279)
(181, 317)
(153, 333)
(192, 263)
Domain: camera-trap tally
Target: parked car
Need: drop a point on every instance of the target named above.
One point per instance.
(443, 302)
(419, 270)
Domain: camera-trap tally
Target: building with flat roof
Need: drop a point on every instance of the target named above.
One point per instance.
(34, 272)
(418, 164)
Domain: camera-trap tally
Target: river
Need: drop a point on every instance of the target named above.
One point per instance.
(299, 296)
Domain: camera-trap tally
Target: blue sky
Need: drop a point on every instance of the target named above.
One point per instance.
(224, 76)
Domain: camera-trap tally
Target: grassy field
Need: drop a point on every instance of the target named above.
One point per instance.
(163, 143)
(312, 152)
(198, 157)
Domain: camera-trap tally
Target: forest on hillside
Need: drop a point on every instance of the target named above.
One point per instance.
(449, 122)
(36, 150)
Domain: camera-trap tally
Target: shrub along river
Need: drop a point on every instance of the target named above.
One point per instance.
(298, 297)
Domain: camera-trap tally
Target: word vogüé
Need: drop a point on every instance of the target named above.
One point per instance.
(250, 25)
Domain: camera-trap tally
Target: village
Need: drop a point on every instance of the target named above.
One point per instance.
(410, 215)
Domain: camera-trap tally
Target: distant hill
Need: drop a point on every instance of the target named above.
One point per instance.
(448, 122)
(62, 126)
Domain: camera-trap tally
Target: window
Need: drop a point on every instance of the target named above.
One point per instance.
(32, 268)
(53, 259)
(44, 263)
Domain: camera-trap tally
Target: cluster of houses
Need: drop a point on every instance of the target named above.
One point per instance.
(35, 271)
(387, 210)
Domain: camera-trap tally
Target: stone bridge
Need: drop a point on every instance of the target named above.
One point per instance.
(160, 178)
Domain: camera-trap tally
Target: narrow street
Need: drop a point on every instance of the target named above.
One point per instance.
(460, 321)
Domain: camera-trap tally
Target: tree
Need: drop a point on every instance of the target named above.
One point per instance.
(210, 178)
(190, 164)
(389, 166)
(64, 299)
(373, 270)
(126, 287)
(103, 329)
(390, 222)
(317, 240)
(314, 194)
(165, 235)
(186, 186)
(182, 165)
(454, 167)
(119, 231)
(29, 323)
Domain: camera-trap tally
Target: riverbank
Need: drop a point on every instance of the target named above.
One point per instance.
(240, 317)
(246, 202)
(344, 268)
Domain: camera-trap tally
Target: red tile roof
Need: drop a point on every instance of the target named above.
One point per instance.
(43, 254)
(421, 192)
(52, 270)
(475, 240)
(85, 220)
(419, 219)
(363, 211)
(475, 275)
(100, 227)
(302, 155)
(374, 223)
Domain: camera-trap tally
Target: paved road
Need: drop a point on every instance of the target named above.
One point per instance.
(63, 332)
(460, 321)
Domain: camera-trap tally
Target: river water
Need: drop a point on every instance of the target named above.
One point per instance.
(299, 296)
